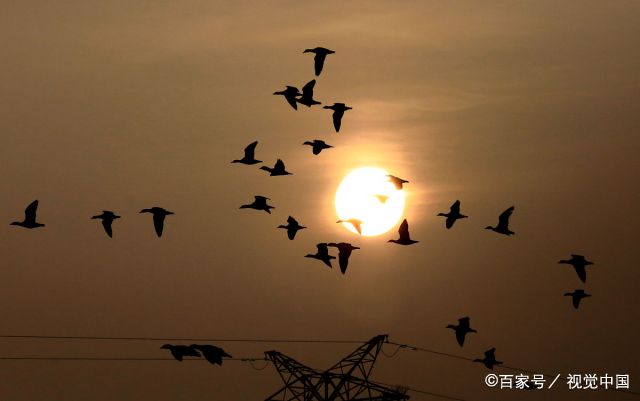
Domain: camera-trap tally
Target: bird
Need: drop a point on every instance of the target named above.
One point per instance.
(320, 54)
(579, 263)
(344, 251)
(322, 254)
(462, 329)
(503, 223)
(211, 353)
(292, 227)
(290, 93)
(180, 351)
(404, 239)
(357, 224)
(107, 218)
(382, 198)
(278, 169)
(453, 215)
(260, 203)
(29, 217)
(158, 218)
(396, 181)
(338, 112)
(249, 155)
(489, 359)
(306, 97)
(577, 296)
(317, 146)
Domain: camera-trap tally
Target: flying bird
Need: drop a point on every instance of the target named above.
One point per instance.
(320, 54)
(158, 218)
(278, 169)
(180, 351)
(489, 359)
(453, 215)
(290, 93)
(317, 146)
(306, 97)
(576, 297)
(503, 223)
(397, 182)
(462, 329)
(338, 112)
(404, 239)
(107, 218)
(357, 224)
(29, 217)
(260, 203)
(249, 155)
(322, 254)
(292, 227)
(211, 353)
(344, 251)
(579, 263)
(382, 198)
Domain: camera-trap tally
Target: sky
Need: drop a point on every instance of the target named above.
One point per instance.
(122, 106)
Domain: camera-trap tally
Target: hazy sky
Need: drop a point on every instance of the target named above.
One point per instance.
(111, 105)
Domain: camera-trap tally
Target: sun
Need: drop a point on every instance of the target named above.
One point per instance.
(366, 194)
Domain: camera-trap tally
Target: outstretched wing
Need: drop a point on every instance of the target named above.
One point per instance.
(250, 150)
(337, 119)
(279, 165)
(292, 221)
(106, 223)
(318, 61)
(307, 90)
(404, 231)
(291, 99)
(460, 337)
(582, 272)
(503, 220)
(450, 221)
(30, 212)
(158, 223)
(455, 208)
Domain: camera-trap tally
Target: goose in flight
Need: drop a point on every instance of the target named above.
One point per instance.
(503, 223)
(290, 93)
(344, 251)
(338, 112)
(404, 239)
(462, 329)
(180, 351)
(489, 359)
(396, 181)
(453, 215)
(260, 203)
(357, 224)
(322, 254)
(320, 54)
(211, 353)
(29, 217)
(292, 227)
(107, 218)
(579, 263)
(576, 297)
(317, 146)
(306, 97)
(249, 155)
(158, 218)
(278, 169)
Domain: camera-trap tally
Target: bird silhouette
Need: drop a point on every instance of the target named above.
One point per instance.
(338, 112)
(317, 146)
(29, 217)
(180, 351)
(211, 353)
(462, 329)
(292, 227)
(382, 198)
(576, 297)
(489, 359)
(320, 54)
(290, 93)
(453, 215)
(579, 263)
(260, 203)
(278, 169)
(249, 155)
(503, 223)
(344, 251)
(397, 182)
(322, 254)
(158, 218)
(357, 224)
(404, 239)
(306, 97)
(107, 218)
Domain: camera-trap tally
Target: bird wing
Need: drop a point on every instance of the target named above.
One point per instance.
(460, 337)
(249, 151)
(450, 221)
(292, 221)
(337, 119)
(106, 223)
(307, 89)
(582, 273)
(279, 165)
(455, 208)
(503, 220)
(357, 225)
(259, 198)
(158, 223)
(291, 232)
(343, 260)
(318, 61)
(291, 99)
(404, 231)
(30, 212)
(576, 301)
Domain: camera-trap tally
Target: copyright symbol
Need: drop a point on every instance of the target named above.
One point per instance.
(491, 380)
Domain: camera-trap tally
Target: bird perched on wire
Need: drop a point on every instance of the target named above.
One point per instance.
(249, 155)
(290, 94)
(489, 359)
(453, 215)
(396, 181)
(579, 263)
(576, 297)
(462, 329)
(158, 218)
(357, 224)
(277, 169)
(503, 223)
(317, 146)
(306, 97)
(292, 227)
(322, 254)
(344, 252)
(107, 218)
(320, 55)
(403, 231)
(180, 351)
(211, 353)
(259, 203)
(29, 220)
(338, 112)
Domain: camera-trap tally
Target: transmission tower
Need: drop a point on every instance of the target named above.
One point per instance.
(347, 380)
